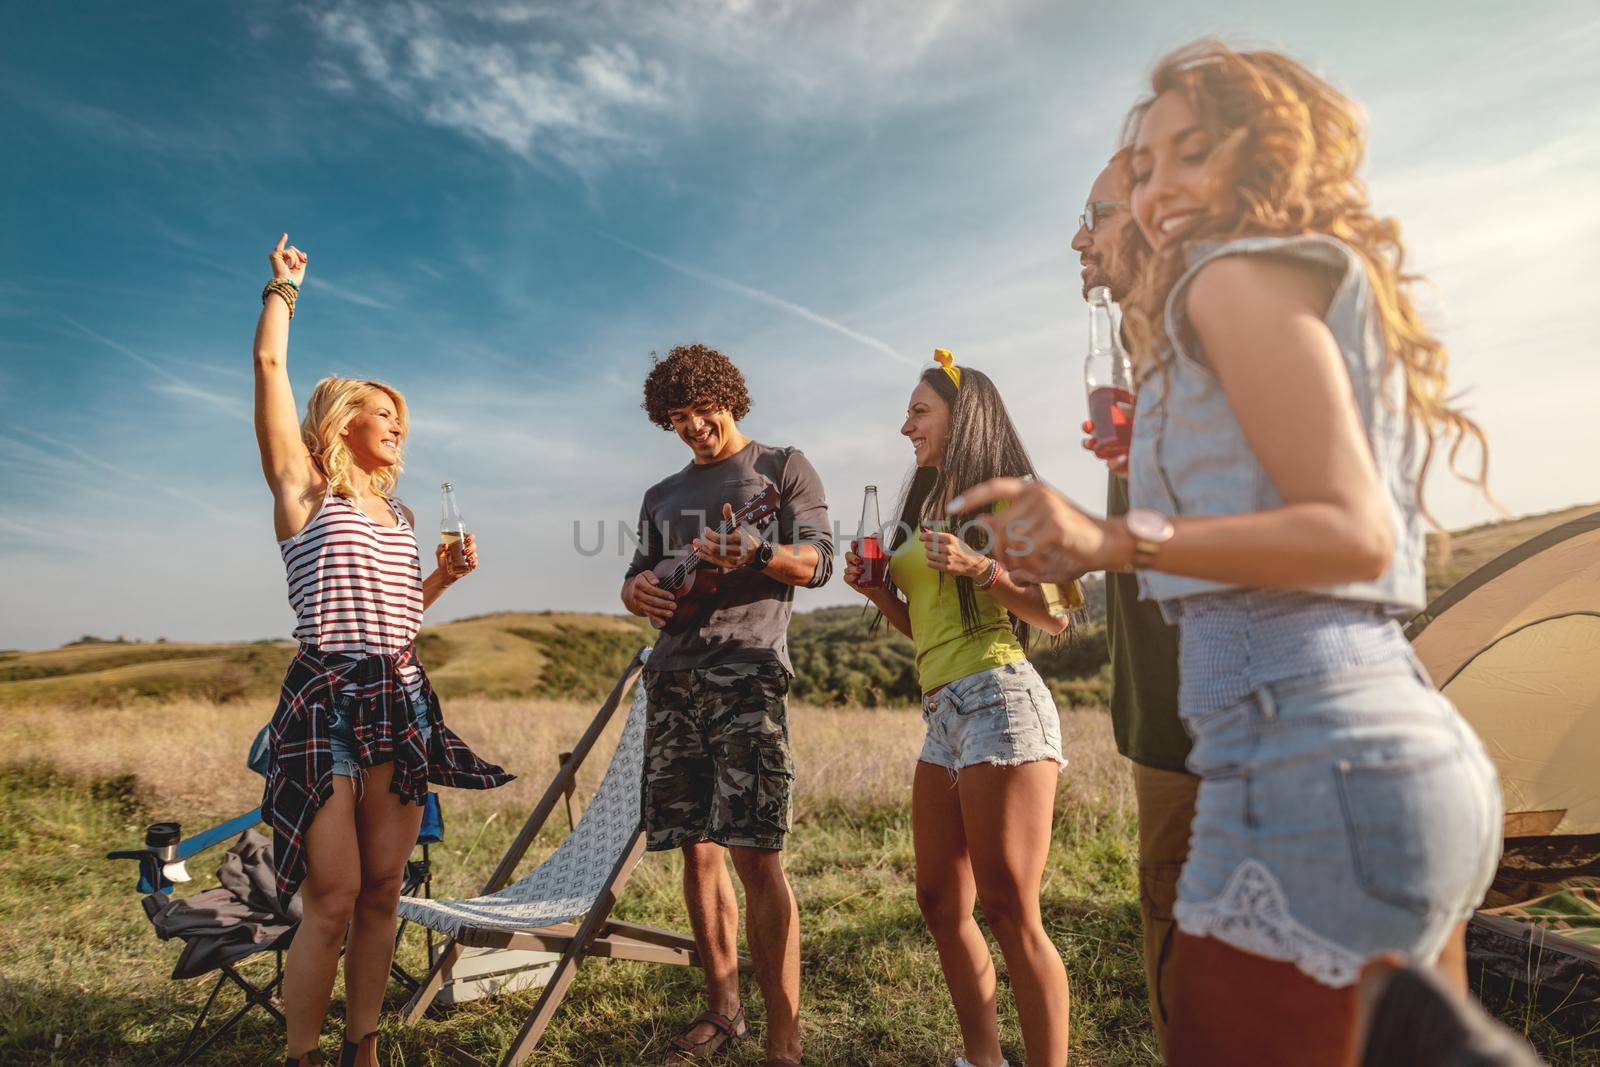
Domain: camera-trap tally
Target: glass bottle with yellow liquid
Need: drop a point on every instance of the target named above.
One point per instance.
(452, 527)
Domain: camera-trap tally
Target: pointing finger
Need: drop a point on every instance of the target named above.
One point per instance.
(986, 493)
(283, 239)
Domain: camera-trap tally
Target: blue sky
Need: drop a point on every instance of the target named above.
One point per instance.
(508, 210)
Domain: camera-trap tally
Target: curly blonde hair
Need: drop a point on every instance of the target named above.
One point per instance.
(334, 402)
(1287, 150)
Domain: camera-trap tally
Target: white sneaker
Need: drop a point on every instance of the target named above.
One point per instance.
(962, 1061)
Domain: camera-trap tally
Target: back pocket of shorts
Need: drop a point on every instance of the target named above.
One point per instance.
(1411, 830)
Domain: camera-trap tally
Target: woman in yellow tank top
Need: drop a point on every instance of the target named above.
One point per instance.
(985, 785)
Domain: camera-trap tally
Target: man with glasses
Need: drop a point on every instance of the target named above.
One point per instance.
(1144, 650)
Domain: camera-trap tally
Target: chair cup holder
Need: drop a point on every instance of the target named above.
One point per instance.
(162, 838)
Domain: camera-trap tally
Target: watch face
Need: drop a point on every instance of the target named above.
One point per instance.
(1149, 525)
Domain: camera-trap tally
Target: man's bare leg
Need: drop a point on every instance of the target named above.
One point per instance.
(774, 928)
(714, 918)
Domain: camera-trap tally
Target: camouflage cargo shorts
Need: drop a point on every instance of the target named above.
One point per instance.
(716, 756)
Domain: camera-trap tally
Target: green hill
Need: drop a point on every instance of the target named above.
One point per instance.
(541, 654)
(838, 659)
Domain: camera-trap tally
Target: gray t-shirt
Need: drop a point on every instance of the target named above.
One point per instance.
(749, 620)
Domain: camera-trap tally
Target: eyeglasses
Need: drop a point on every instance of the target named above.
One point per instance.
(1099, 211)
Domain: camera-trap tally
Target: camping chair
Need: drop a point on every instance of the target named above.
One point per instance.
(163, 861)
(564, 904)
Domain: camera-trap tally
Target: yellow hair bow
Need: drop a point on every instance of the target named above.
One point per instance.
(947, 363)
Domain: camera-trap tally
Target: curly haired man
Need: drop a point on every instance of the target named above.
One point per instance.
(717, 764)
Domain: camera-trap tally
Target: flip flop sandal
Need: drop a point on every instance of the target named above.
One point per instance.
(686, 1051)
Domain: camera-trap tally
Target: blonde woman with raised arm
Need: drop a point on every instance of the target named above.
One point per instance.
(357, 736)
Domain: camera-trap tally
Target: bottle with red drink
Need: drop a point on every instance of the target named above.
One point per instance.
(869, 543)
(1108, 377)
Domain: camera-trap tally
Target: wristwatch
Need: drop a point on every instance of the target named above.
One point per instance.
(762, 558)
(1149, 530)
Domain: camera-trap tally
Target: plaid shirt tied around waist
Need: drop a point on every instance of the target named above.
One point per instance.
(300, 779)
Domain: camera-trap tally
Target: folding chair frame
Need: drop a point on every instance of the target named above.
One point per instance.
(596, 935)
(255, 996)
(419, 876)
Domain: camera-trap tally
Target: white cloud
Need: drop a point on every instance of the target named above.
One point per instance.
(539, 98)
(585, 84)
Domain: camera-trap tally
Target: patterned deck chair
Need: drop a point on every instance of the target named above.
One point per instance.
(564, 904)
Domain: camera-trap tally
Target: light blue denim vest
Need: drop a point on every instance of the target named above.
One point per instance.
(1189, 456)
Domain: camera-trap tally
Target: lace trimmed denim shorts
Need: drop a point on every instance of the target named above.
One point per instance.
(1004, 715)
(1339, 815)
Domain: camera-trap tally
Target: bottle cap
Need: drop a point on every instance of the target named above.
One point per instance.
(444, 487)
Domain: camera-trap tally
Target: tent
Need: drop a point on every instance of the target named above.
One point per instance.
(1516, 646)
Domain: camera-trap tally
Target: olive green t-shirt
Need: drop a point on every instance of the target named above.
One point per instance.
(1144, 666)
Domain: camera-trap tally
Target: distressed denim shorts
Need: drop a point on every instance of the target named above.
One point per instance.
(1004, 715)
(342, 736)
(1339, 815)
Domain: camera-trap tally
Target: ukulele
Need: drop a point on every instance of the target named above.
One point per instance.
(694, 584)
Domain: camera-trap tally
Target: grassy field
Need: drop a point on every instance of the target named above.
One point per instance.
(83, 980)
(99, 738)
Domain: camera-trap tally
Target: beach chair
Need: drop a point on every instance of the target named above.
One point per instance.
(564, 904)
(255, 927)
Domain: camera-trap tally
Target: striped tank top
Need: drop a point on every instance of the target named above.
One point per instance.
(356, 586)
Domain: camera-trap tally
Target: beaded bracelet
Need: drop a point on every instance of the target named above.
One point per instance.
(285, 290)
(992, 577)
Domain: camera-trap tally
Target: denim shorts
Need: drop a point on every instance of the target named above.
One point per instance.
(1004, 715)
(342, 736)
(1339, 815)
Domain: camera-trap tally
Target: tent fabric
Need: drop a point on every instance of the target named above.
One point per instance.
(1574, 560)
(1516, 646)
(1533, 696)
(1513, 645)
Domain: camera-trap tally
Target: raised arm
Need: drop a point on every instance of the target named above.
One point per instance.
(291, 475)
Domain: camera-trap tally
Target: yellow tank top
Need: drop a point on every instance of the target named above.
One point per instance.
(945, 651)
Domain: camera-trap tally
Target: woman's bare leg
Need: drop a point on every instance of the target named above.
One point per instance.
(1007, 812)
(328, 900)
(1228, 1006)
(387, 832)
(946, 894)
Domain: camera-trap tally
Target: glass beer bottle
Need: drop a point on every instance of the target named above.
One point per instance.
(869, 543)
(452, 528)
(1108, 378)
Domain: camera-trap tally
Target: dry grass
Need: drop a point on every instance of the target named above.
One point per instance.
(82, 979)
(188, 755)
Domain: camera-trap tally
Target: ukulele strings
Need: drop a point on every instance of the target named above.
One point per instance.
(690, 562)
